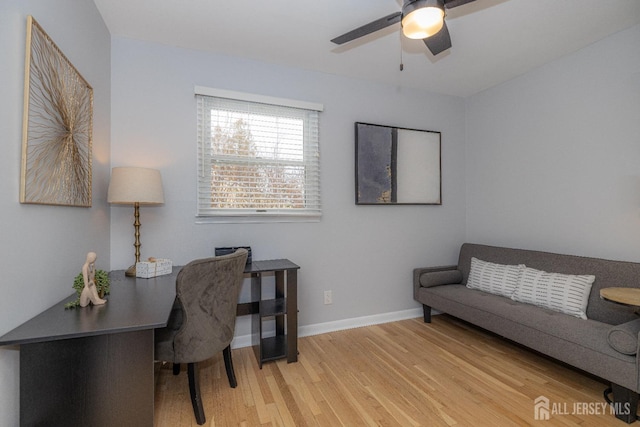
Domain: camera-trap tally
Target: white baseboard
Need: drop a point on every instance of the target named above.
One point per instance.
(339, 325)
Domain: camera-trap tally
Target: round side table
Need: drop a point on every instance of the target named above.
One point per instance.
(626, 296)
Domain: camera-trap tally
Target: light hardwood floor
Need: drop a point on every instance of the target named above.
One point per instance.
(404, 373)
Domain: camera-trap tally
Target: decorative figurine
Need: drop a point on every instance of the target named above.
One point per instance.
(89, 292)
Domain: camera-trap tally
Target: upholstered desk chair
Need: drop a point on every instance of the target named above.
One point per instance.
(203, 319)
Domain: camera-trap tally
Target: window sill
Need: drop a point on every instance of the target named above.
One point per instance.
(256, 219)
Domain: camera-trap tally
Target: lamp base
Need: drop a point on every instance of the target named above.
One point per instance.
(131, 271)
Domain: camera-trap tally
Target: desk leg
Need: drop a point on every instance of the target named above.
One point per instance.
(280, 294)
(256, 321)
(292, 316)
(104, 380)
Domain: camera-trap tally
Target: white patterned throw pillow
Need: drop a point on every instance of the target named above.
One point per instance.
(566, 293)
(498, 279)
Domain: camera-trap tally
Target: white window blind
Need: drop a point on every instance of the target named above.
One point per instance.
(257, 159)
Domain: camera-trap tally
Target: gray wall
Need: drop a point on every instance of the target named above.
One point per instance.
(553, 157)
(44, 247)
(364, 254)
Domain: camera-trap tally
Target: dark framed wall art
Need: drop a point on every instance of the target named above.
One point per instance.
(57, 126)
(397, 166)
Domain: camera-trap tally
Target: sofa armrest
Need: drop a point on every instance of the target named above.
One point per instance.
(427, 277)
(625, 338)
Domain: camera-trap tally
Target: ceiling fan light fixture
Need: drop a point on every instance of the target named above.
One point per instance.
(422, 18)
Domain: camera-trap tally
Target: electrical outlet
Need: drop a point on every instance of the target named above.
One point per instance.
(328, 298)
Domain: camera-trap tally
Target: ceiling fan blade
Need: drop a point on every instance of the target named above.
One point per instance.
(369, 28)
(449, 4)
(440, 41)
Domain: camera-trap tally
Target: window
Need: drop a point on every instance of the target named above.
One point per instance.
(257, 157)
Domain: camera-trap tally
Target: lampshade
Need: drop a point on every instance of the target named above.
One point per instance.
(422, 18)
(131, 185)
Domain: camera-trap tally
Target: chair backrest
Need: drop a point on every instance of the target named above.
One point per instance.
(208, 290)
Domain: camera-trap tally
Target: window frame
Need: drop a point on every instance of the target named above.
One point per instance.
(257, 215)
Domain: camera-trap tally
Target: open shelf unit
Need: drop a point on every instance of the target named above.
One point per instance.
(281, 309)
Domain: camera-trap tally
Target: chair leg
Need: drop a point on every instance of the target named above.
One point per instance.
(176, 369)
(228, 364)
(194, 390)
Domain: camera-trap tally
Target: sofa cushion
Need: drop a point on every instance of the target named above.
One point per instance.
(477, 307)
(624, 338)
(497, 279)
(566, 293)
(608, 273)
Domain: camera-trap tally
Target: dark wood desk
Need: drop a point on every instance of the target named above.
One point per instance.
(93, 365)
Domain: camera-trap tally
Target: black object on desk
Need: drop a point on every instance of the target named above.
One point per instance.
(231, 249)
(93, 365)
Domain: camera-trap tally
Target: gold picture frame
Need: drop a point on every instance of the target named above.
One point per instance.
(57, 130)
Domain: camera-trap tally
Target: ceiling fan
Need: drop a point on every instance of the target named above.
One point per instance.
(421, 19)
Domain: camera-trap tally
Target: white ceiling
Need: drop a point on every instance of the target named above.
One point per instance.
(493, 40)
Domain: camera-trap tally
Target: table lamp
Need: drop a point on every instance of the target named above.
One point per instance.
(135, 186)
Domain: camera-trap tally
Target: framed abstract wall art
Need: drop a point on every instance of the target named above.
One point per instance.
(57, 126)
(397, 166)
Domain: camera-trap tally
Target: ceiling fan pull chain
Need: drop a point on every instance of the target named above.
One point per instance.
(401, 64)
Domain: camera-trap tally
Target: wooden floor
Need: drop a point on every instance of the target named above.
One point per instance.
(404, 373)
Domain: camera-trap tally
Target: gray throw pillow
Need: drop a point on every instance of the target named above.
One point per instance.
(624, 338)
(438, 278)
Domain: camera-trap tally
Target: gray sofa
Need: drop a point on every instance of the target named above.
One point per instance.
(605, 344)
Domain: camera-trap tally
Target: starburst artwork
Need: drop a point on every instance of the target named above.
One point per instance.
(57, 128)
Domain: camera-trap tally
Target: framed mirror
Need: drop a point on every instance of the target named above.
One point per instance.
(397, 166)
